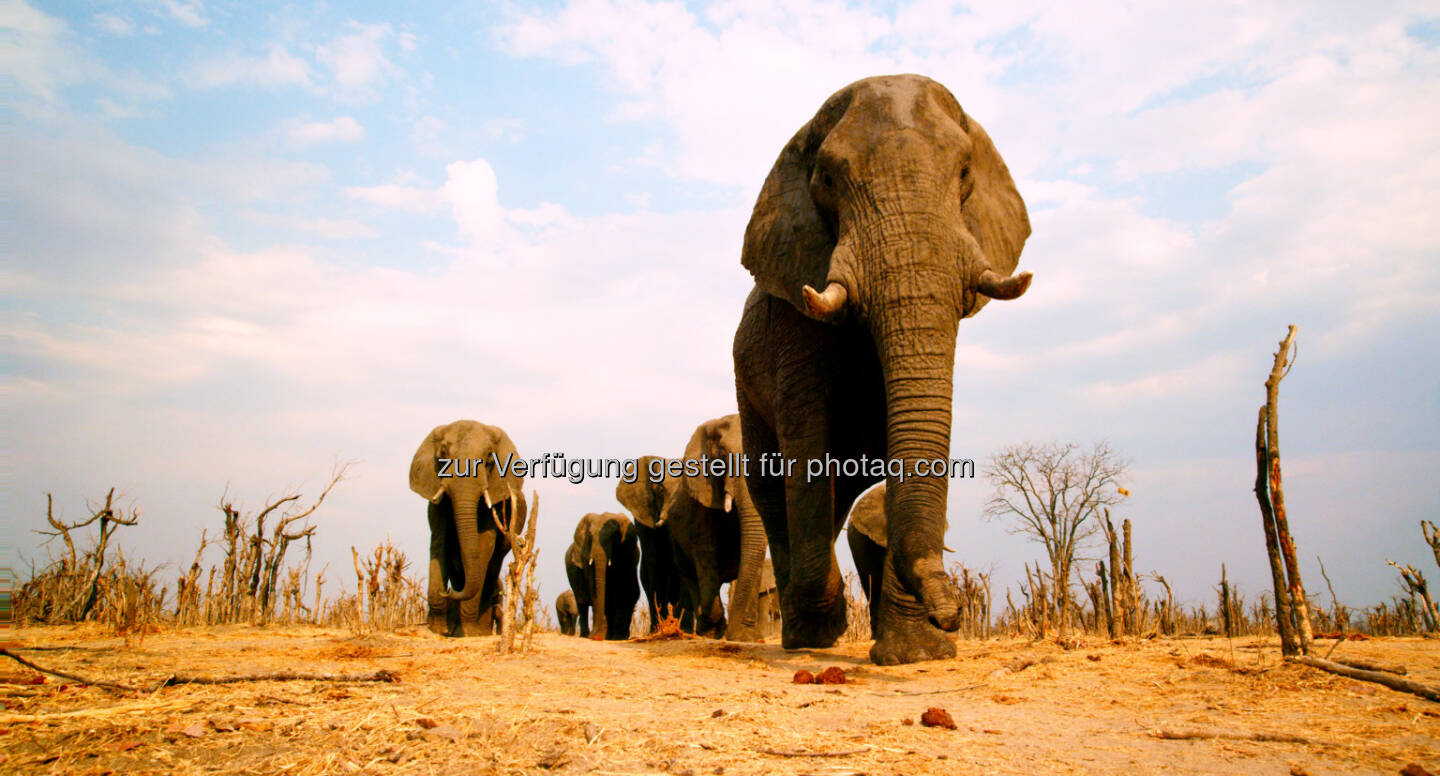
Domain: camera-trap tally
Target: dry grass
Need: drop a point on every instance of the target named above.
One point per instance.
(677, 705)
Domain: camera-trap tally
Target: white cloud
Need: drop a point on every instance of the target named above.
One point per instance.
(189, 13)
(115, 24)
(342, 129)
(474, 199)
(277, 67)
(399, 196)
(37, 53)
(357, 59)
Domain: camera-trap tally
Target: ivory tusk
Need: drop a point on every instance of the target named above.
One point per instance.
(997, 286)
(826, 304)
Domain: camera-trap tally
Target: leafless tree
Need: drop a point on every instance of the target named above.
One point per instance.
(1054, 493)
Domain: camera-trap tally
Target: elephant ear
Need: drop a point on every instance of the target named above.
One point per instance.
(868, 515)
(424, 479)
(787, 242)
(709, 491)
(643, 498)
(580, 546)
(509, 485)
(994, 213)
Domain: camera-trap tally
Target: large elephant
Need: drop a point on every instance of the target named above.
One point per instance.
(567, 612)
(897, 204)
(457, 468)
(600, 564)
(717, 532)
(645, 498)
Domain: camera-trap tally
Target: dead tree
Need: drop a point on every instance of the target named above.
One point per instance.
(1338, 612)
(1055, 492)
(1291, 612)
(109, 517)
(1107, 599)
(1432, 538)
(1227, 604)
(1167, 610)
(521, 592)
(1419, 592)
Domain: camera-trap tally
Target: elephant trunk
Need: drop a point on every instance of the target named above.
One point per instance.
(744, 594)
(466, 528)
(601, 561)
(914, 334)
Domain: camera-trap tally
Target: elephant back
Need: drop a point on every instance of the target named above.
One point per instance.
(868, 515)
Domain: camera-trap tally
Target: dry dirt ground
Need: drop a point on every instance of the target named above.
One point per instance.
(692, 706)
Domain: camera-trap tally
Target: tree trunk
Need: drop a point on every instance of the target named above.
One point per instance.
(1284, 617)
(1277, 493)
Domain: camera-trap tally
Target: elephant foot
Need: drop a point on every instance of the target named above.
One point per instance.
(742, 633)
(815, 622)
(597, 636)
(437, 622)
(812, 629)
(911, 642)
(914, 628)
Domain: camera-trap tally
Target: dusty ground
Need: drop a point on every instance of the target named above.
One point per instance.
(704, 707)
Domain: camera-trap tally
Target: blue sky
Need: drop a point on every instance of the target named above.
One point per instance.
(242, 243)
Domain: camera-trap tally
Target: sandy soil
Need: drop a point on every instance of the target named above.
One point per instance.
(695, 706)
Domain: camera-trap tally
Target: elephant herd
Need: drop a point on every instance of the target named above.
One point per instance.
(896, 205)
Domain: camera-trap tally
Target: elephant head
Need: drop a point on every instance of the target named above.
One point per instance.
(715, 439)
(458, 461)
(723, 489)
(644, 499)
(896, 204)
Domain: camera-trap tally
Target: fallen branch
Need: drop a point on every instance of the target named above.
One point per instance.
(1367, 665)
(1393, 682)
(381, 675)
(794, 753)
(72, 677)
(939, 692)
(1206, 735)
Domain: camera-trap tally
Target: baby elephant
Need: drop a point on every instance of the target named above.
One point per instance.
(566, 612)
(601, 564)
(866, 535)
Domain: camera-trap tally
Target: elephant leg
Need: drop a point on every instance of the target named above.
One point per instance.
(492, 593)
(784, 363)
(701, 550)
(439, 604)
(767, 492)
(472, 621)
(580, 586)
(870, 565)
(814, 605)
(901, 625)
